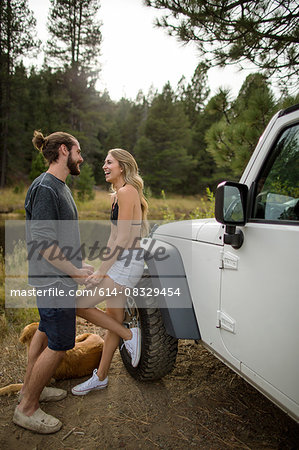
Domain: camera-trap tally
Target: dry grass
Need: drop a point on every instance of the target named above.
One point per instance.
(99, 207)
(13, 358)
(12, 320)
(181, 206)
(12, 201)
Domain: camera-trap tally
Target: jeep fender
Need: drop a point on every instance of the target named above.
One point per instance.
(166, 269)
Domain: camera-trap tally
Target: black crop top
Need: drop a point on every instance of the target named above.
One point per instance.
(114, 214)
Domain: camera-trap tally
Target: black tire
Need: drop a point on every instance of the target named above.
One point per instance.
(158, 349)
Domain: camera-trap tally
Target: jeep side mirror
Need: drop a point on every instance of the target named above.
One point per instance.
(231, 210)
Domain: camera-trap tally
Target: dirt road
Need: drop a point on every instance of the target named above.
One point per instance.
(201, 404)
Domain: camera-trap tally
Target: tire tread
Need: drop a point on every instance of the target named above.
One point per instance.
(159, 350)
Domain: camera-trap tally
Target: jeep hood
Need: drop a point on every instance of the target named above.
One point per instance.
(205, 230)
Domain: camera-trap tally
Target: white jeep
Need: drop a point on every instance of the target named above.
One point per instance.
(232, 282)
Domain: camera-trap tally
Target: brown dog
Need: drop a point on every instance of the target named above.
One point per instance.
(78, 362)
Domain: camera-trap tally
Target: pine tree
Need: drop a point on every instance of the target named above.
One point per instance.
(232, 140)
(124, 131)
(17, 26)
(85, 183)
(75, 35)
(161, 151)
(195, 94)
(225, 31)
(38, 166)
(74, 48)
(193, 97)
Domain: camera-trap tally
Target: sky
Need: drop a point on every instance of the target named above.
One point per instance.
(136, 55)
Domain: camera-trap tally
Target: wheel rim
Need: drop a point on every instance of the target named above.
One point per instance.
(132, 318)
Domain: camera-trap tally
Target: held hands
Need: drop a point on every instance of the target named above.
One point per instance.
(95, 279)
(81, 276)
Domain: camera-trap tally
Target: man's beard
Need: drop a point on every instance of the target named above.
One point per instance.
(72, 166)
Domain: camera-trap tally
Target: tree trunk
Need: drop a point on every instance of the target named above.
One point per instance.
(5, 104)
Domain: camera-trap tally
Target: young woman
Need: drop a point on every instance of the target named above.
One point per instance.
(122, 269)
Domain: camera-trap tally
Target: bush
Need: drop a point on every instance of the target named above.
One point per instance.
(85, 183)
(38, 166)
(207, 208)
(19, 188)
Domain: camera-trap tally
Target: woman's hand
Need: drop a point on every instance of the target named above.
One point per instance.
(95, 279)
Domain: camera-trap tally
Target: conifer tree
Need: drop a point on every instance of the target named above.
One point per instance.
(194, 94)
(75, 34)
(266, 33)
(193, 97)
(17, 26)
(38, 166)
(161, 150)
(232, 140)
(74, 48)
(85, 183)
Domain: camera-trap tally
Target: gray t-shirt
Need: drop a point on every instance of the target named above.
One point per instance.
(51, 217)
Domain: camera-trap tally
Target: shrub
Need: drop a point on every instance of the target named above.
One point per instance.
(85, 183)
(38, 166)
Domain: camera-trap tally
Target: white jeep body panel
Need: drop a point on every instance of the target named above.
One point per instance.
(246, 301)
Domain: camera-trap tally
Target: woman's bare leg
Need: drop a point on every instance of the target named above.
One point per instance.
(104, 320)
(111, 320)
(87, 310)
(111, 342)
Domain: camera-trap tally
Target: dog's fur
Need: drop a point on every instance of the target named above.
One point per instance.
(78, 362)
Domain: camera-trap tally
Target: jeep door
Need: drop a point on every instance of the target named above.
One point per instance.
(259, 304)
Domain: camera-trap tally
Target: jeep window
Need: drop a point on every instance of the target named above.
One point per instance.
(277, 197)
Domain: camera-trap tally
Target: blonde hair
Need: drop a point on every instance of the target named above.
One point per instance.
(131, 176)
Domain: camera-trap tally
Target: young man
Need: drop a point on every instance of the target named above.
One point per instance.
(51, 227)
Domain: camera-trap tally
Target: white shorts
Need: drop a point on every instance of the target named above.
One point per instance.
(128, 271)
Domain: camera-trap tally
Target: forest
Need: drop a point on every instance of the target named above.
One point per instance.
(184, 139)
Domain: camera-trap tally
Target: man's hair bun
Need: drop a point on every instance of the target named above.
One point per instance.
(38, 140)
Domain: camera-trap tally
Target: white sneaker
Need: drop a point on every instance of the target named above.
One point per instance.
(133, 346)
(92, 384)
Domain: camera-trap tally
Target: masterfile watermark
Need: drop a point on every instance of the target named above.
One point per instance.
(29, 274)
(96, 252)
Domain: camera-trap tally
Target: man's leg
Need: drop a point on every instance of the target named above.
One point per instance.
(59, 325)
(37, 346)
(41, 372)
